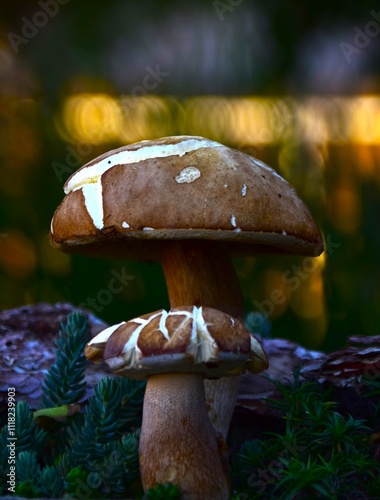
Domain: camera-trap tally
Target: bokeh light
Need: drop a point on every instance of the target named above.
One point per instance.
(100, 118)
(78, 89)
(94, 119)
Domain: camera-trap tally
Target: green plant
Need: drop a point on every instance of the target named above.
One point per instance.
(64, 382)
(320, 453)
(92, 453)
(163, 492)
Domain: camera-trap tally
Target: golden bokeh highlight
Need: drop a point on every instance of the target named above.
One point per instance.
(208, 116)
(367, 160)
(364, 125)
(100, 118)
(146, 117)
(92, 118)
(311, 126)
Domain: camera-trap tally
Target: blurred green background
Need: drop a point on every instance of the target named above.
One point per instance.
(295, 84)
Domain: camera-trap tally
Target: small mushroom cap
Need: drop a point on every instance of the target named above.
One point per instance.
(185, 339)
(127, 202)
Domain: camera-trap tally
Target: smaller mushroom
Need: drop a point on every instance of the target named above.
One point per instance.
(175, 350)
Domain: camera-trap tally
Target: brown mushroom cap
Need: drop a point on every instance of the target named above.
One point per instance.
(127, 201)
(185, 339)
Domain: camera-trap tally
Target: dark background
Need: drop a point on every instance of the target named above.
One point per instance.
(294, 83)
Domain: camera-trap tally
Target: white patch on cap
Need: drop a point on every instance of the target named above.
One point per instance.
(131, 344)
(104, 335)
(284, 232)
(208, 348)
(192, 346)
(237, 230)
(162, 326)
(257, 349)
(148, 229)
(187, 316)
(225, 186)
(194, 333)
(261, 164)
(233, 221)
(51, 226)
(244, 190)
(91, 175)
(125, 224)
(93, 200)
(188, 175)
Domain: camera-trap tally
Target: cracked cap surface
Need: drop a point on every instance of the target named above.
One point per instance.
(185, 339)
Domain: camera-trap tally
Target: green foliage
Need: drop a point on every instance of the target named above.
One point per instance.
(64, 382)
(51, 483)
(94, 453)
(29, 436)
(115, 407)
(106, 457)
(163, 492)
(36, 481)
(320, 454)
(91, 454)
(30, 439)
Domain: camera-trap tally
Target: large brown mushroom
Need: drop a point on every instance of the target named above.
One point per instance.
(175, 350)
(189, 202)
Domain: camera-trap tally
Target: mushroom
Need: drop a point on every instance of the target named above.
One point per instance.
(188, 202)
(175, 350)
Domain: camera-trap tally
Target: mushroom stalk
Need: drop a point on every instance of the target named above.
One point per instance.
(201, 273)
(178, 442)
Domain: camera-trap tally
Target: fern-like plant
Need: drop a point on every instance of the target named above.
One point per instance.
(64, 382)
(92, 454)
(29, 439)
(99, 445)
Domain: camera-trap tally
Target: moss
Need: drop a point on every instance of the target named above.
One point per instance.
(320, 454)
